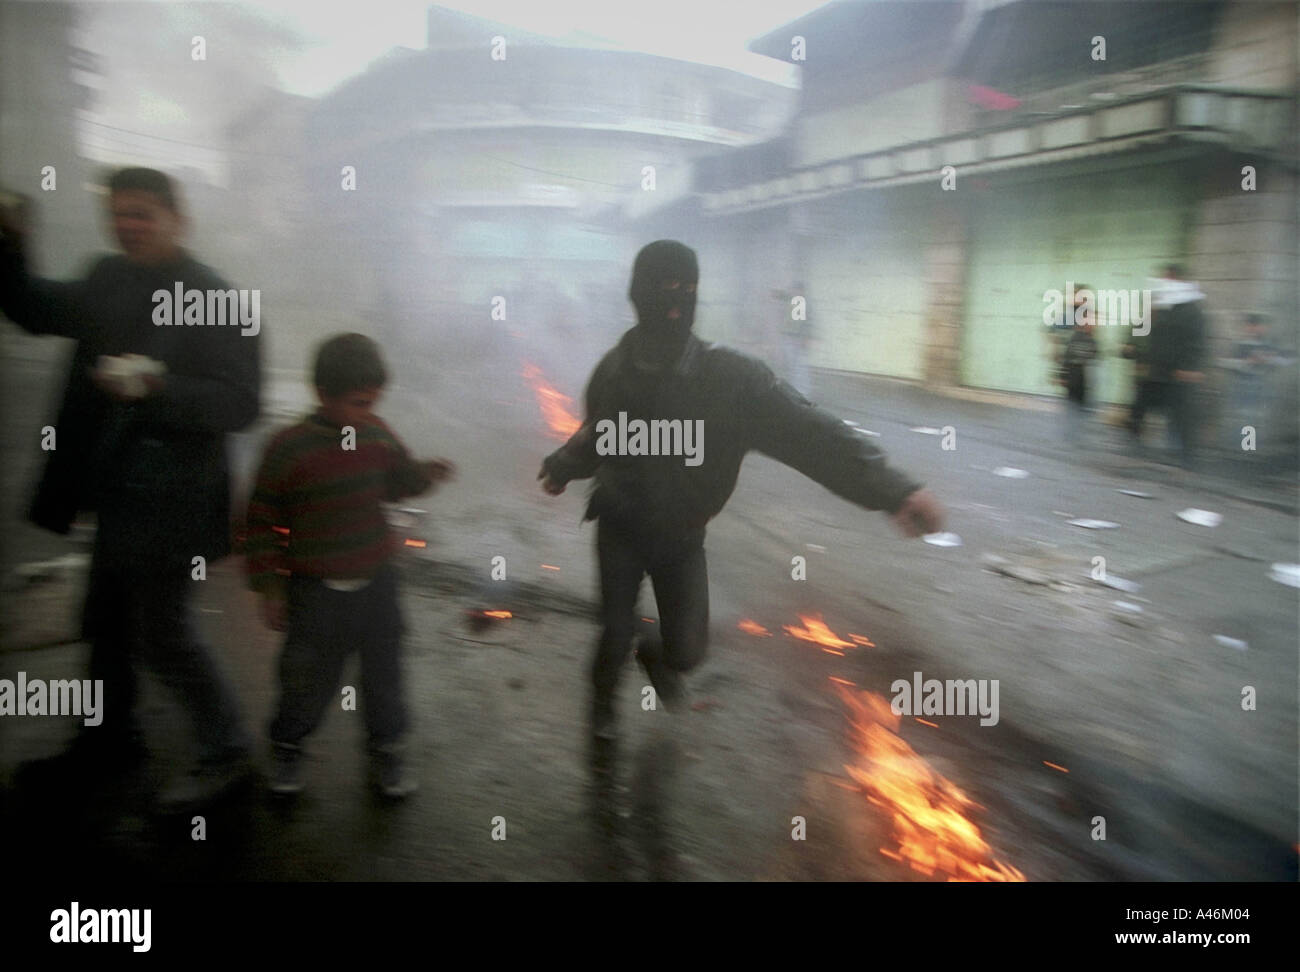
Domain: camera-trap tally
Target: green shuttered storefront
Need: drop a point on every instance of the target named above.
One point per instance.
(1110, 230)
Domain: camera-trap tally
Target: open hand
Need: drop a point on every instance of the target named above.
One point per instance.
(439, 470)
(549, 485)
(920, 514)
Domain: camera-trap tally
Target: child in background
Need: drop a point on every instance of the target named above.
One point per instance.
(320, 555)
(1078, 352)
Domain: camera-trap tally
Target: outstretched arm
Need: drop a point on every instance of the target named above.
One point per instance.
(36, 305)
(577, 458)
(790, 429)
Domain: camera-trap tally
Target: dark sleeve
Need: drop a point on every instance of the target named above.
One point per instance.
(404, 476)
(577, 458)
(37, 305)
(1194, 340)
(219, 386)
(786, 426)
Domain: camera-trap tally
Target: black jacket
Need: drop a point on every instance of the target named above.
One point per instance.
(1177, 341)
(743, 406)
(155, 470)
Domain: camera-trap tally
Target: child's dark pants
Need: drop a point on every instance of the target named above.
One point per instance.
(325, 626)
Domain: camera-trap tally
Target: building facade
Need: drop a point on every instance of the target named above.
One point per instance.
(952, 162)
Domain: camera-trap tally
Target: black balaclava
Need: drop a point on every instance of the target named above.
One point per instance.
(662, 339)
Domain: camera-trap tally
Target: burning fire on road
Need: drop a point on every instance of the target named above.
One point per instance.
(814, 629)
(932, 830)
(934, 833)
(555, 405)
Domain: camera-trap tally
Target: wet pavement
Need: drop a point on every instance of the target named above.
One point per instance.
(1129, 713)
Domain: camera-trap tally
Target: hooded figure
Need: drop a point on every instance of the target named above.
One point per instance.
(654, 403)
(664, 280)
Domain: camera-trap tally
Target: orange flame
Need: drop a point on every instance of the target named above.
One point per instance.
(930, 826)
(815, 630)
(415, 543)
(497, 614)
(754, 628)
(553, 403)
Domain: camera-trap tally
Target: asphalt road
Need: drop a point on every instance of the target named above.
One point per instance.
(1138, 712)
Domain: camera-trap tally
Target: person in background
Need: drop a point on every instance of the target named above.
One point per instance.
(1173, 358)
(796, 339)
(1252, 363)
(1076, 356)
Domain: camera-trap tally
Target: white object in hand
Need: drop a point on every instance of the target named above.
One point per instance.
(126, 373)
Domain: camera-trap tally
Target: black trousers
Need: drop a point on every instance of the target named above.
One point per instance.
(140, 616)
(325, 627)
(1179, 400)
(679, 573)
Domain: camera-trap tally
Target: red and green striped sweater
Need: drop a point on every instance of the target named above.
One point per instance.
(316, 508)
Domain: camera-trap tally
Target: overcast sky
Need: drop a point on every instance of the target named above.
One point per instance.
(345, 36)
(156, 106)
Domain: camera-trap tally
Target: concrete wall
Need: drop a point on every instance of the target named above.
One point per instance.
(1244, 250)
(1255, 46)
(916, 112)
(867, 291)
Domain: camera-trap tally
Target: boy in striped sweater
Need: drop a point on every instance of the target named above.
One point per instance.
(319, 552)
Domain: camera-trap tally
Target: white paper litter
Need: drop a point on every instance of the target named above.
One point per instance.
(1094, 524)
(1010, 472)
(1231, 642)
(1203, 518)
(1288, 574)
(1120, 584)
(942, 539)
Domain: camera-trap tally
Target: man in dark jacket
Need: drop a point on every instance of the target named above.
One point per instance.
(1172, 362)
(146, 453)
(654, 498)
